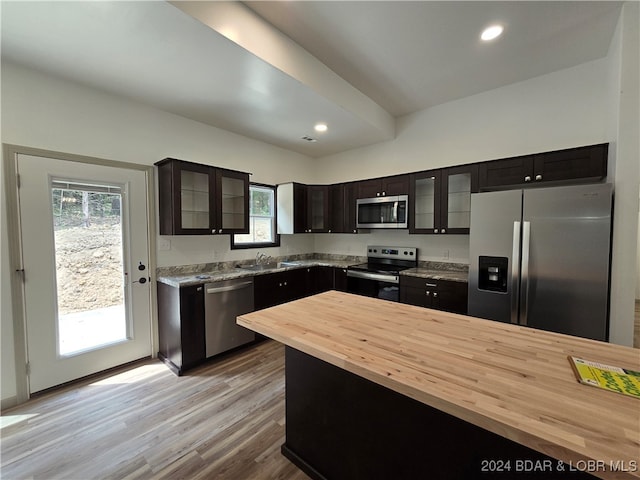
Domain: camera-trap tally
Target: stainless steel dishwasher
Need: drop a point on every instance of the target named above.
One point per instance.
(224, 301)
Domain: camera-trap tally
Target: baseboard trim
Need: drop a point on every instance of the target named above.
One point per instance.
(300, 463)
(8, 402)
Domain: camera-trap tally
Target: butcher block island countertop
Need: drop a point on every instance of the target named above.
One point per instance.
(510, 380)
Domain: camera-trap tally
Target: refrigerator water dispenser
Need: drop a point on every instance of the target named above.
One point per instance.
(492, 274)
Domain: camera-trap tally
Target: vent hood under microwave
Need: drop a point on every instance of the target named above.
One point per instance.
(382, 212)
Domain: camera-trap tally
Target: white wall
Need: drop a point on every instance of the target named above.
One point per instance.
(562, 109)
(40, 111)
(624, 98)
(7, 352)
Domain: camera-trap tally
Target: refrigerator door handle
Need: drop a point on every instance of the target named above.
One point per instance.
(515, 264)
(524, 301)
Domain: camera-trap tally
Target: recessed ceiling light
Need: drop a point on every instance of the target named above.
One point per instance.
(492, 32)
(320, 127)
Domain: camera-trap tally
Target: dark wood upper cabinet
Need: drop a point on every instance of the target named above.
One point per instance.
(440, 200)
(318, 208)
(232, 211)
(303, 208)
(337, 208)
(342, 208)
(589, 163)
(506, 172)
(199, 199)
(292, 208)
(457, 185)
(424, 202)
(382, 187)
(561, 166)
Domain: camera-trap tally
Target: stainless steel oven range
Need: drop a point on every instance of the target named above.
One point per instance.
(379, 277)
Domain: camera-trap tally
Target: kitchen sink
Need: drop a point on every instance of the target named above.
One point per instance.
(290, 264)
(258, 266)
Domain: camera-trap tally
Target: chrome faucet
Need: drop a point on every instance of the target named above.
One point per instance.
(262, 259)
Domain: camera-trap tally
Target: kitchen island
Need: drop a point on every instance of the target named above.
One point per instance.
(377, 389)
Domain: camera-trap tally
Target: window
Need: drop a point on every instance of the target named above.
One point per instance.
(262, 219)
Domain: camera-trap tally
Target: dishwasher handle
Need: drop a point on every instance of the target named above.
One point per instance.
(229, 288)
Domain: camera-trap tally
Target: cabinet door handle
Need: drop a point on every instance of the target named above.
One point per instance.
(384, 194)
(538, 177)
(220, 231)
(329, 231)
(285, 284)
(527, 178)
(428, 293)
(435, 231)
(443, 231)
(280, 284)
(432, 285)
(435, 294)
(199, 289)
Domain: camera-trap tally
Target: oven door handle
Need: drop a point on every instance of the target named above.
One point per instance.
(373, 276)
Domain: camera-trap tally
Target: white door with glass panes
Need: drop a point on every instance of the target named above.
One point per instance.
(85, 257)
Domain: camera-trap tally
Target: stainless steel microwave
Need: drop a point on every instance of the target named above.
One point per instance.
(382, 212)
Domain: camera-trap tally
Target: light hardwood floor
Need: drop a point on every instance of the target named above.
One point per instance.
(224, 420)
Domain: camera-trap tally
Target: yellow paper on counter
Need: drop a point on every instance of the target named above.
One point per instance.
(607, 377)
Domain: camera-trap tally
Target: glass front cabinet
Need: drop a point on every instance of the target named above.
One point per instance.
(232, 216)
(440, 200)
(199, 199)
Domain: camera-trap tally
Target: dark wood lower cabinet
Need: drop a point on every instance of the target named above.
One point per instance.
(181, 326)
(439, 294)
(340, 279)
(320, 279)
(181, 315)
(275, 288)
(342, 426)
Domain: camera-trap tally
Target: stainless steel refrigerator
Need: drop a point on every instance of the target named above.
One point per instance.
(541, 257)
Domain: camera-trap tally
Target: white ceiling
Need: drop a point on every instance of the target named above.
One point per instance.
(228, 64)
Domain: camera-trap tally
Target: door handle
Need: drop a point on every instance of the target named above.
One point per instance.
(515, 265)
(229, 288)
(524, 297)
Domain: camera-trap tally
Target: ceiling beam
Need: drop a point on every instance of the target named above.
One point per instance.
(244, 27)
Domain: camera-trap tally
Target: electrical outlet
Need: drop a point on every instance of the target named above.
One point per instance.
(164, 244)
(445, 255)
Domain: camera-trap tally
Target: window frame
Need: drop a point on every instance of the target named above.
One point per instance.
(276, 242)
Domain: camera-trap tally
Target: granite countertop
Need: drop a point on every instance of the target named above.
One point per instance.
(230, 272)
(437, 274)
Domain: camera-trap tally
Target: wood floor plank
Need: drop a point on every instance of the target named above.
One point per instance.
(222, 420)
